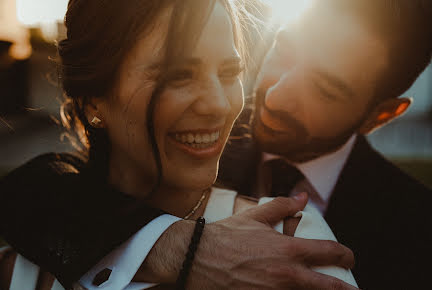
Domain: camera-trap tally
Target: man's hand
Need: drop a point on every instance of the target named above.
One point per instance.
(244, 252)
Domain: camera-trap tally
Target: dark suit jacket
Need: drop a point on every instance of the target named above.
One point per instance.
(378, 211)
(384, 216)
(62, 218)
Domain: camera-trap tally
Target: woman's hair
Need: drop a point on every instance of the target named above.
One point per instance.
(100, 34)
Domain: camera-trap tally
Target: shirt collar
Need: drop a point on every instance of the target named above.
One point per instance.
(323, 172)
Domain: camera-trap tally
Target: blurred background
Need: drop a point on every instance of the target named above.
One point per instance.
(30, 96)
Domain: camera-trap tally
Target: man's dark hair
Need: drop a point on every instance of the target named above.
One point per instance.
(406, 25)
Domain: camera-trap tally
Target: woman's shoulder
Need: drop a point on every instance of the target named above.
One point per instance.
(60, 163)
(47, 170)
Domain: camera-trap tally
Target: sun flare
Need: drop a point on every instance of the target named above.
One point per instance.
(286, 11)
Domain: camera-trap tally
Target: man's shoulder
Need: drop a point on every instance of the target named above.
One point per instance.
(377, 173)
(369, 180)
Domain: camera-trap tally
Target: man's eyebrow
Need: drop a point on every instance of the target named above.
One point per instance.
(336, 82)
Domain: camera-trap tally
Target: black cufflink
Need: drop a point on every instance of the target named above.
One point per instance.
(102, 277)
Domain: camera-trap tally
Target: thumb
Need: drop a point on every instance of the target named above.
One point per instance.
(279, 208)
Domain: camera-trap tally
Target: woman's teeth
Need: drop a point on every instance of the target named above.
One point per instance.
(198, 140)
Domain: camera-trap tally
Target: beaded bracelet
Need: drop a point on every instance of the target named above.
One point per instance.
(187, 264)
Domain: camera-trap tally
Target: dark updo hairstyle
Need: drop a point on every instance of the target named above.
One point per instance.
(100, 33)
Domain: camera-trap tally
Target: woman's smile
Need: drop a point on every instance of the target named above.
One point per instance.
(199, 143)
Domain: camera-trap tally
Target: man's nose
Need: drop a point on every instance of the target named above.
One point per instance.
(284, 94)
(268, 76)
(212, 100)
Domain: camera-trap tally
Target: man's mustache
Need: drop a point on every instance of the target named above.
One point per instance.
(283, 116)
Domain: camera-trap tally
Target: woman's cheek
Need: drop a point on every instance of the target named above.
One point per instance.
(237, 99)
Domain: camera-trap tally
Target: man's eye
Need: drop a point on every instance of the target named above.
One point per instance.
(325, 93)
(231, 73)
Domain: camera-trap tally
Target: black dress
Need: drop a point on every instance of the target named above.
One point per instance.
(66, 220)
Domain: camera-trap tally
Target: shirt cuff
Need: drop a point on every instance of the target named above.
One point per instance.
(128, 257)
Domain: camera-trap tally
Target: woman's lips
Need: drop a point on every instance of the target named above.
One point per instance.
(200, 144)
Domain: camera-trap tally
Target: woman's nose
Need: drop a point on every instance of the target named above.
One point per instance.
(213, 100)
(285, 93)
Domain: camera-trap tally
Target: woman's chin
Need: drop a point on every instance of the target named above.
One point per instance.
(189, 175)
(196, 182)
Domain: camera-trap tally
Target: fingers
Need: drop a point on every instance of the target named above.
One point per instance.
(289, 276)
(309, 279)
(290, 226)
(322, 253)
(276, 210)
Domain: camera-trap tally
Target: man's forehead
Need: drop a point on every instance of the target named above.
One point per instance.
(344, 55)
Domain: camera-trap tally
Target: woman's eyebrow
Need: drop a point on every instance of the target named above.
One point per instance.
(156, 65)
(232, 61)
(192, 61)
(195, 61)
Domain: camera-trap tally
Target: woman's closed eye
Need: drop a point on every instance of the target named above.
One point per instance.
(181, 76)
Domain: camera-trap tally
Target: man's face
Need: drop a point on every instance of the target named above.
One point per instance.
(316, 85)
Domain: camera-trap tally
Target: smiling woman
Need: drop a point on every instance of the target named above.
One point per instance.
(152, 95)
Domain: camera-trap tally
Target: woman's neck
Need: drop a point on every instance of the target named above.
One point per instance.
(180, 202)
(131, 180)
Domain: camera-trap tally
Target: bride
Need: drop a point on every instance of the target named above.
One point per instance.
(152, 112)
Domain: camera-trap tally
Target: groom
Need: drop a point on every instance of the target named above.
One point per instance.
(323, 86)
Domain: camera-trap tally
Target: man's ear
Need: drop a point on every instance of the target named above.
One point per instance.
(94, 111)
(383, 113)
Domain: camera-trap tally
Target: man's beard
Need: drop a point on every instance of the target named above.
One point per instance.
(297, 145)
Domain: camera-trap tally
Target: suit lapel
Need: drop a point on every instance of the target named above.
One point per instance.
(353, 192)
(356, 199)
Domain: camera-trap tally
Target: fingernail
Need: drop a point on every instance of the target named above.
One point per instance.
(300, 196)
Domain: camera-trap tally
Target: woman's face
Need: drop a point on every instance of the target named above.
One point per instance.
(193, 115)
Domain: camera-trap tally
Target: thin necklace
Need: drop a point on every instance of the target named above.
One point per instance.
(198, 204)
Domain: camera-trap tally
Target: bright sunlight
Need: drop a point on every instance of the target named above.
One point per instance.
(286, 11)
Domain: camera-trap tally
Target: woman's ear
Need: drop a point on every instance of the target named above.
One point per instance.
(383, 113)
(94, 111)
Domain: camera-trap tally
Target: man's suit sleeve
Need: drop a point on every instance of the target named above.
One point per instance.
(62, 224)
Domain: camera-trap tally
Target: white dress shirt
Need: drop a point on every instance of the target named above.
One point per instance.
(126, 259)
(321, 175)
